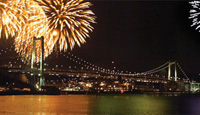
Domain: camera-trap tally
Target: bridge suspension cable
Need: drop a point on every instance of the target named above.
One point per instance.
(157, 70)
(96, 68)
(182, 71)
(85, 63)
(165, 65)
(9, 57)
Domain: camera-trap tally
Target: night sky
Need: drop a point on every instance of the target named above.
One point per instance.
(141, 35)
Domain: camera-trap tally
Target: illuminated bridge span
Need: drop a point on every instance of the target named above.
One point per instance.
(78, 67)
(168, 66)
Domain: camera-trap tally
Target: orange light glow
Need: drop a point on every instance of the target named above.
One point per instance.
(55, 33)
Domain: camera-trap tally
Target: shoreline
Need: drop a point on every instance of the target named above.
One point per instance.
(93, 93)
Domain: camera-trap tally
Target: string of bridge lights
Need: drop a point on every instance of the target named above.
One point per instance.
(163, 66)
(182, 71)
(6, 50)
(155, 71)
(89, 66)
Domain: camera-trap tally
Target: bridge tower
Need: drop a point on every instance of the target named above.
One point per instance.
(41, 80)
(169, 70)
(175, 71)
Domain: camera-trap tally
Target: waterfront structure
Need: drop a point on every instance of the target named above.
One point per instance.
(94, 81)
(88, 76)
(194, 86)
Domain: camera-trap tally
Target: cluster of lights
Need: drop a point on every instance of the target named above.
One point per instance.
(85, 65)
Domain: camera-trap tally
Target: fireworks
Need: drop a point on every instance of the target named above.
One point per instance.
(10, 22)
(70, 18)
(63, 22)
(194, 14)
(35, 26)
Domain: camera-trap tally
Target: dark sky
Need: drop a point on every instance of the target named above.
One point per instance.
(141, 35)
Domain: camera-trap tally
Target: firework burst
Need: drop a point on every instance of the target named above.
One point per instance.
(71, 19)
(35, 26)
(10, 21)
(195, 14)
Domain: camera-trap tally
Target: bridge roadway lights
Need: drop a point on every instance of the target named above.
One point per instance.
(41, 77)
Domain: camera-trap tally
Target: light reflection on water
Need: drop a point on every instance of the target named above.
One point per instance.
(102, 104)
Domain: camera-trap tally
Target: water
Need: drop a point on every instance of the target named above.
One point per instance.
(103, 104)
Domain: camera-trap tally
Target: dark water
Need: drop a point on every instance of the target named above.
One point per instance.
(103, 104)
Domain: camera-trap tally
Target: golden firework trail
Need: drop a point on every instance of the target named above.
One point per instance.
(69, 21)
(64, 22)
(35, 25)
(10, 21)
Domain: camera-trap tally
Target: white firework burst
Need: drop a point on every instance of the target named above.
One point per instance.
(195, 14)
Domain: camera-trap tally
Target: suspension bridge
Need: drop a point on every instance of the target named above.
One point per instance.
(80, 74)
